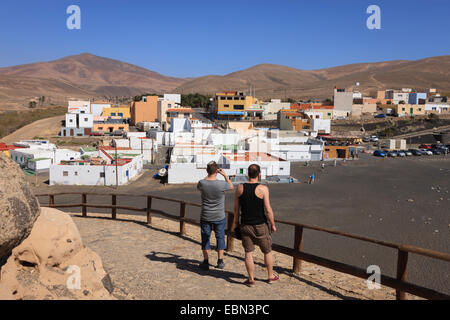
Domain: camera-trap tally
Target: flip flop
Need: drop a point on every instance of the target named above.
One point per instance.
(249, 283)
(274, 278)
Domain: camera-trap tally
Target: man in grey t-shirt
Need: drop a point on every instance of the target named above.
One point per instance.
(213, 212)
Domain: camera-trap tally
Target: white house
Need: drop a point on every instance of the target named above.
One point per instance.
(97, 108)
(437, 107)
(77, 124)
(41, 159)
(85, 172)
(175, 97)
(79, 106)
(321, 125)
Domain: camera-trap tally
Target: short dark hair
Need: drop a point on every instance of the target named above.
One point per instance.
(253, 171)
(211, 167)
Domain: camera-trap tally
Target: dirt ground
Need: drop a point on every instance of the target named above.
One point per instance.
(155, 262)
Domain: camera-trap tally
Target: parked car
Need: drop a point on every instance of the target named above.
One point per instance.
(401, 153)
(392, 154)
(416, 152)
(407, 153)
(379, 153)
(441, 147)
(118, 133)
(436, 151)
(425, 146)
(373, 138)
(382, 115)
(427, 152)
(97, 133)
(366, 139)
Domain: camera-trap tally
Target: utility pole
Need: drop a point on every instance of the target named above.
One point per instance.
(117, 173)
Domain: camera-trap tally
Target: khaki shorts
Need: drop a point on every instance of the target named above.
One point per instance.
(257, 234)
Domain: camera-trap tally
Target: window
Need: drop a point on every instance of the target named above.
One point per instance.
(70, 120)
(420, 109)
(229, 98)
(226, 105)
(403, 109)
(102, 174)
(113, 114)
(223, 98)
(65, 173)
(120, 114)
(329, 113)
(239, 107)
(76, 173)
(86, 119)
(242, 98)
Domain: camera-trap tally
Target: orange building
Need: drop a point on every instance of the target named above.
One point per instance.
(110, 127)
(145, 110)
(293, 120)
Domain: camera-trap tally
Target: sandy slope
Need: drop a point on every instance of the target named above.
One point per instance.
(44, 128)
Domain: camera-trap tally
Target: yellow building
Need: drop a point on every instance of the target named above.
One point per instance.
(122, 111)
(232, 104)
(409, 109)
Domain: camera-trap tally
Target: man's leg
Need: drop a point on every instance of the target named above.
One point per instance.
(219, 232)
(206, 235)
(250, 266)
(268, 260)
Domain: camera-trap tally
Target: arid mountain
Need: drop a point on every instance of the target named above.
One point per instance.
(88, 76)
(275, 81)
(80, 76)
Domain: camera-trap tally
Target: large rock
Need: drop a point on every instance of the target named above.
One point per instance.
(42, 266)
(19, 208)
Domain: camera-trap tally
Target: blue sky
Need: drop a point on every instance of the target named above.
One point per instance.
(197, 37)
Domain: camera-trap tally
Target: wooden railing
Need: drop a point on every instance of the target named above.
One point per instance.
(399, 283)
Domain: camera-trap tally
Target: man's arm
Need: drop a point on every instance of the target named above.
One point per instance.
(236, 207)
(268, 208)
(230, 184)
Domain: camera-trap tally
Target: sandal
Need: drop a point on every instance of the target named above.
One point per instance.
(249, 283)
(274, 278)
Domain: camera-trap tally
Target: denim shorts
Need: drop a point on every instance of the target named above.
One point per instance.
(219, 231)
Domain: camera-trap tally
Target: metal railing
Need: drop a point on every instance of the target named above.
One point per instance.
(399, 283)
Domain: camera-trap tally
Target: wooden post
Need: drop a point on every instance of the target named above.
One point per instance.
(182, 216)
(114, 210)
(149, 210)
(402, 263)
(52, 200)
(84, 201)
(230, 243)
(298, 244)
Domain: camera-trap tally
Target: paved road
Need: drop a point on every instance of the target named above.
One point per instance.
(400, 200)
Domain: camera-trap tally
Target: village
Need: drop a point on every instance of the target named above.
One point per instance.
(158, 130)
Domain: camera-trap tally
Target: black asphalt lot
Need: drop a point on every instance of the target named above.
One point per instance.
(403, 200)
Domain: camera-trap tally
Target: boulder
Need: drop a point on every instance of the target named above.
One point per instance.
(19, 208)
(48, 263)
